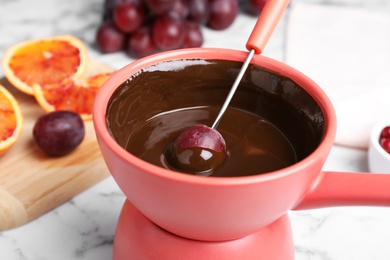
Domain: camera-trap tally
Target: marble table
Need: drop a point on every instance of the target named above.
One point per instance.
(83, 228)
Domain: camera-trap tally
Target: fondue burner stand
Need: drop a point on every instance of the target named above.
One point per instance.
(136, 237)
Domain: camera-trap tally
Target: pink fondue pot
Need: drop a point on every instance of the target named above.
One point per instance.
(171, 215)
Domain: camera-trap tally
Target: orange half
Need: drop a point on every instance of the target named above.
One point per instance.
(11, 120)
(73, 94)
(44, 61)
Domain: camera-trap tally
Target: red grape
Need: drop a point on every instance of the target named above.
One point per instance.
(108, 8)
(140, 43)
(109, 39)
(193, 35)
(128, 16)
(385, 143)
(384, 139)
(258, 4)
(58, 133)
(160, 6)
(385, 133)
(222, 13)
(168, 32)
(199, 11)
(168, 21)
(180, 9)
(198, 149)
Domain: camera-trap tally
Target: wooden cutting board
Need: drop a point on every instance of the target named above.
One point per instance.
(32, 183)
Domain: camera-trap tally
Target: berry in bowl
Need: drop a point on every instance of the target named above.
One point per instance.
(379, 150)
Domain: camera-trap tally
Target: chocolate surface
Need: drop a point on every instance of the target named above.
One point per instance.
(271, 122)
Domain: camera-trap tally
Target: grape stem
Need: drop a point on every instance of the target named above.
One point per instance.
(233, 88)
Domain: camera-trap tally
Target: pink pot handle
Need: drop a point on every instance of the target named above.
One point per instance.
(347, 189)
(265, 25)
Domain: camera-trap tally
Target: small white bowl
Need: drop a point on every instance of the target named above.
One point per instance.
(378, 158)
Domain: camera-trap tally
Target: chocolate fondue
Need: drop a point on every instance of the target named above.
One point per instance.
(270, 124)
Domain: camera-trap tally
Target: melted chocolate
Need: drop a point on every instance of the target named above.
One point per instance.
(271, 122)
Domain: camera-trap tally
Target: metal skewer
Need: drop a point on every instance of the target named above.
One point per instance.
(234, 88)
(265, 25)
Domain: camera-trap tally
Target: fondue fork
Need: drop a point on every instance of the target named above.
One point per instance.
(264, 27)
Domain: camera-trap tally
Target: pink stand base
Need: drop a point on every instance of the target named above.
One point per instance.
(137, 237)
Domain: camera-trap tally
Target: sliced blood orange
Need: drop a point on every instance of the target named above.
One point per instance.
(11, 120)
(73, 94)
(44, 61)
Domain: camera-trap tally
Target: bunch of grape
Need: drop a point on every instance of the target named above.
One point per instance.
(144, 27)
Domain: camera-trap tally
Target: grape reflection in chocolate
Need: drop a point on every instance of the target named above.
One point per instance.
(198, 150)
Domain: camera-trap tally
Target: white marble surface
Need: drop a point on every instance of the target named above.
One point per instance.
(350, 42)
(83, 228)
